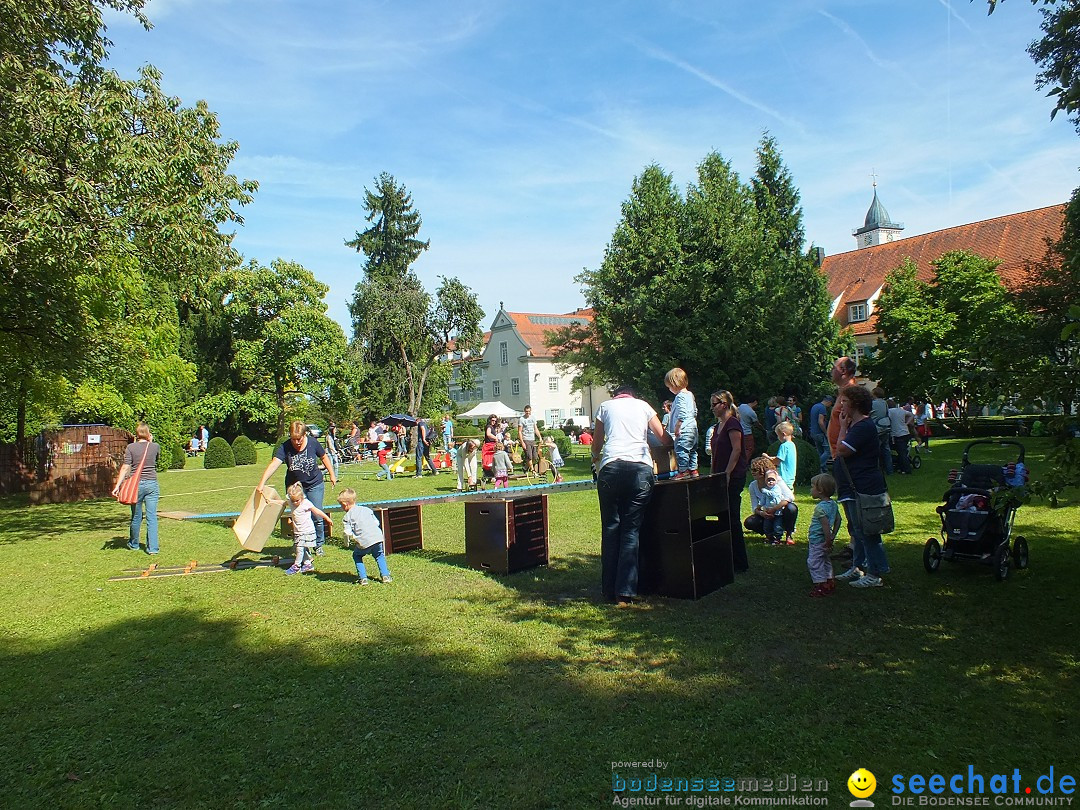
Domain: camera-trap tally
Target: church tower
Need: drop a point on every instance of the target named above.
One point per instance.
(877, 228)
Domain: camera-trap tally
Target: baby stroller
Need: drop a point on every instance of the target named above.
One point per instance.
(977, 515)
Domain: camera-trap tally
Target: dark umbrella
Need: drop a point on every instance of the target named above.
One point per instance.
(399, 419)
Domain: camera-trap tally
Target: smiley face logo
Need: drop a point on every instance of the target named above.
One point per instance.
(861, 783)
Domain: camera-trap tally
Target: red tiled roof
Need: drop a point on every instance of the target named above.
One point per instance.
(1017, 240)
(534, 327)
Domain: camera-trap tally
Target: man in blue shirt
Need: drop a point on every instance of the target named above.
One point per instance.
(819, 425)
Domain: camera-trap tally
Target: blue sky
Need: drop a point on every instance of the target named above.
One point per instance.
(519, 127)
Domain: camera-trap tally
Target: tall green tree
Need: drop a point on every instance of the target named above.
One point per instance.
(286, 345)
(1049, 369)
(389, 244)
(715, 282)
(632, 291)
(404, 332)
(955, 335)
(107, 187)
(797, 300)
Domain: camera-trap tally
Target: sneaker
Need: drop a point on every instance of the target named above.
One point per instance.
(680, 476)
(852, 573)
(364, 581)
(307, 568)
(867, 581)
(789, 538)
(694, 474)
(387, 580)
(820, 590)
(320, 551)
(292, 569)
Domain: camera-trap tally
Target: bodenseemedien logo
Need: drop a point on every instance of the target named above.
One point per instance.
(861, 784)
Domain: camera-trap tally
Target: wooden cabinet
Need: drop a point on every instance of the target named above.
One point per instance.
(685, 547)
(508, 535)
(403, 528)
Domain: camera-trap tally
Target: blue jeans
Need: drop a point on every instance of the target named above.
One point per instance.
(624, 489)
(423, 452)
(868, 550)
(686, 447)
(886, 453)
(148, 495)
(789, 517)
(314, 493)
(375, 551)
(821, 443)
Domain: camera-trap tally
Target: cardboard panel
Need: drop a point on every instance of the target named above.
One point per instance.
(259, 518)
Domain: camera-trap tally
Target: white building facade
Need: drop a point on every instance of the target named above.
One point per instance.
(518, 369)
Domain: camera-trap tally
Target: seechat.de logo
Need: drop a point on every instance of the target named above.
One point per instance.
(861, 784)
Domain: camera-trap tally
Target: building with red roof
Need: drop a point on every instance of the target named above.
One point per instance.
(517, 369)
(1019, 241)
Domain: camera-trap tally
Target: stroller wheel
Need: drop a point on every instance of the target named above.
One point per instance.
(1002, 562)
(1020, 553)
(916, 462)
(931, 555)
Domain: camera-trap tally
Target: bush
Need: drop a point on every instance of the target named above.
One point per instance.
(179, 457)
(466, 430)
(243, 450)
(218, 454)
(562, 441)
(807, 461)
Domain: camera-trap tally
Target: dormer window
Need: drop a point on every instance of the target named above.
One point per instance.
(857, 312)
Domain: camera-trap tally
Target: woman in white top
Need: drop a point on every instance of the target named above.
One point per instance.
(624, 482)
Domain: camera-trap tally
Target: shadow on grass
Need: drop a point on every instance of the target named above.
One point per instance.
(22, 523)
(530, 707)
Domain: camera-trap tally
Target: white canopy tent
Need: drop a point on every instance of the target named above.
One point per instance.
(486, 409)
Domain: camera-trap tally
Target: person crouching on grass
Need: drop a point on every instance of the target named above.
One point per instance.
(823, 528)
(362, 530)
(303, 524)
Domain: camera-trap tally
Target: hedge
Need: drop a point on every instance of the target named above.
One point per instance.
(179, 457)
(243, 450)
(218, 454)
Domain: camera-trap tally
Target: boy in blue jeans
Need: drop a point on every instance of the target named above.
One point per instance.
(362, 529)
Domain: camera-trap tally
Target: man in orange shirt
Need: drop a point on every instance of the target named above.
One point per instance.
(843, 374)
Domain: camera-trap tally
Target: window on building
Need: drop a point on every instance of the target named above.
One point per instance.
(496, 387)
(579, 411)
(553, 417)
(553, 383)
(515, 386)
(504, 354)
(857, 312)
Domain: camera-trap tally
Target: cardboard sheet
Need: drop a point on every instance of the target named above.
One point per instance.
(259, 518)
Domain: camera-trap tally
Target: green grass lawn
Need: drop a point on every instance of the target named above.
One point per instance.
(453, 688)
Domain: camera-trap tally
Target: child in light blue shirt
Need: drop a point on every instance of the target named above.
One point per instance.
(682, 423)
(362, 530)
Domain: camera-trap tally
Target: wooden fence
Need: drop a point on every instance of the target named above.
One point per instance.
(72, 463)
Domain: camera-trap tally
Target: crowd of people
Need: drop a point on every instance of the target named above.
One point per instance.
(859, 437)
(854, 431)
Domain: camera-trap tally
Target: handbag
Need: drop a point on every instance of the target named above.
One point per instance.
(875, 512)
(128, 493)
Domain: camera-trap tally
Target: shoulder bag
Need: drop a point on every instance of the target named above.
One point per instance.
(875, 512)
(129, 488)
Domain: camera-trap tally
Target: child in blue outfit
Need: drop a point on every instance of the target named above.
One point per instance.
(823, 528)
(771, 499)
(682, 423)
(363, 531)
